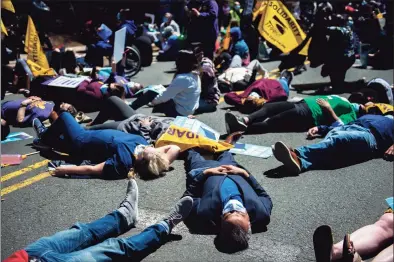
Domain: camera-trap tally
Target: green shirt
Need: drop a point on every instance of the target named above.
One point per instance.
(341, 106)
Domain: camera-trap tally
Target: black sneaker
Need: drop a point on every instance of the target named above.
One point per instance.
(38, 127)
(39, 145)
(234, 123)
(181, 211)
(129, 206)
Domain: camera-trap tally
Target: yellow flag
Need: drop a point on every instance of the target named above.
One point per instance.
(38, 70)
(3, 29)
(7, 5)
(186, 139)
(33, 46)
(279, 27)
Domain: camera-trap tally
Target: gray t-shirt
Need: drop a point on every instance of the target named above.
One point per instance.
(151, 133)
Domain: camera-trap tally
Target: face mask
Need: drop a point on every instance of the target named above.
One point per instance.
(234, 205)
(226, 10)
(165, 19)
(139, 152)
(237, 7)
(118, 16)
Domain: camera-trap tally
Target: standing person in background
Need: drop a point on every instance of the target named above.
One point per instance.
(340, 53)
(203, 24)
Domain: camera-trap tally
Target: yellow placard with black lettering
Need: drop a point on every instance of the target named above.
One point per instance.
(38, 70)
(36, 58)
(33, 46)
(186, 139)
(3, 29)
(7, 5)
(279, 27)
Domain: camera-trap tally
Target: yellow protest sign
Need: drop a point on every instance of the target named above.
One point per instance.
(279, 27)
(7, 5)
(3, 29)
(38, 70)
(186, 139)
(35, 54)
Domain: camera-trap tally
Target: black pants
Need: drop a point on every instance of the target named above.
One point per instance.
(167, 108)
(281, 116)
(113, 108)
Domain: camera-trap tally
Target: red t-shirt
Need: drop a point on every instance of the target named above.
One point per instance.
(18, 256)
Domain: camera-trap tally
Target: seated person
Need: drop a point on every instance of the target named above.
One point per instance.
(239, 46)
(182, 96)
(368, 137)
(22, 112)
(103, 47)
(238, 49)
(210, 93)
(284, 116)
(169, 21)
(114, 153)
(227, 201)
(98, 240)
(128, 121)
(261, 92)
(170, 45)
(375, 240)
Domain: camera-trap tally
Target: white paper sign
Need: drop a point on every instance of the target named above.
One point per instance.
(67, 82)
(120, 42)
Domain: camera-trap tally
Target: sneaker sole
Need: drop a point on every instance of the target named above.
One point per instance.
(231, 121)
(282, 154)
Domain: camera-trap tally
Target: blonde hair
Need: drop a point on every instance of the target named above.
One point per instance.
(152, 168)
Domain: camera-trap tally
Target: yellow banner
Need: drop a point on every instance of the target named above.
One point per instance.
(38, 70)
(7, 5)
(186, 139)
(279, 27)
(33, 46)
(3, 29)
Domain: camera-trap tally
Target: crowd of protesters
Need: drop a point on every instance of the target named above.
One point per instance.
(221, 195)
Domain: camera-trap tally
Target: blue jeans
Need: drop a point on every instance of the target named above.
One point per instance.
(343, 145)
(284, 84)
(195, 161)
(96, 242)
(205, 107)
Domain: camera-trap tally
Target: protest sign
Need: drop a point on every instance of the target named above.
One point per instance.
(120, 42)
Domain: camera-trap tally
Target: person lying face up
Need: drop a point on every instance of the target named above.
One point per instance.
(115, 154)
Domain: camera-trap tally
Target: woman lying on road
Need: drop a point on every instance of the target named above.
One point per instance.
(300, 116)
(115, 153)
(22, 112)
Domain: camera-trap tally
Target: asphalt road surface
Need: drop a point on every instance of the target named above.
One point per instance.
(36, 205)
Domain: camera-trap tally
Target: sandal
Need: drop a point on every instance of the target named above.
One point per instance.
(322, 243)
(349, 254)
